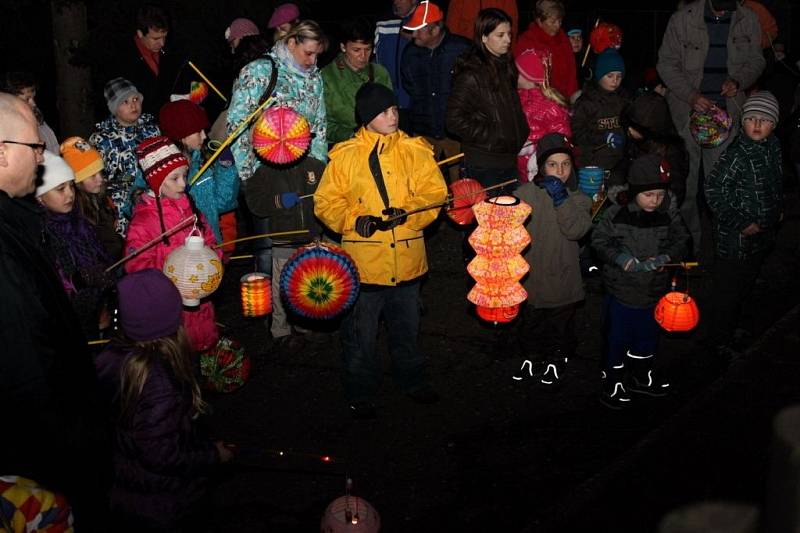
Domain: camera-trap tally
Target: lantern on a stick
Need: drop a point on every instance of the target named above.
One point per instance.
(350, 514)
(677, 311)
(710, 128)
(256, 293)
(604, 36)
(198, 92)
(464, 193)
(281, 135)
(225, 367)
(194, 268)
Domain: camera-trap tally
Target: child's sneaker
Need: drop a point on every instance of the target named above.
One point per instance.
(648, 385)
(551, 377)
(614, 396)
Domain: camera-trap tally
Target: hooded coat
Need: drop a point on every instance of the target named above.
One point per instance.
(563, 77)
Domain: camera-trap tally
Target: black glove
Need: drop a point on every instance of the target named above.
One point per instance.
(367, 225)
(395, 212)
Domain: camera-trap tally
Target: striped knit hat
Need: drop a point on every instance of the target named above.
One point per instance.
(761, 104)
(158, 156)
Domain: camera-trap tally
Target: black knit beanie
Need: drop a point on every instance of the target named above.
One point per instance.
(647, 173)
(372, 99)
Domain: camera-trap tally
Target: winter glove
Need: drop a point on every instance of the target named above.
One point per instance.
(555, 188)
(626, 262)
(367, 225)
(395, 212)
(226, 158)
(287, 200)
(615, 140)
(661, 260)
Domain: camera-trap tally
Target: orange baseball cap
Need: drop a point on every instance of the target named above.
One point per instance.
(424, 14)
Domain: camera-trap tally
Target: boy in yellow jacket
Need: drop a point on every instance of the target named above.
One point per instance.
(370, 184)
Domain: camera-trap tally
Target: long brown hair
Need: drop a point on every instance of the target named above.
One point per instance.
(488, 20)
(175, 351)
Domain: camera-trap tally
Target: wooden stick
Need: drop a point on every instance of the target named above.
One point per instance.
(685, 264)
(450, 159)
(440, 204)
(261, 236)
(207, 81)
(148, 244)
(589, 46)
(101, 341)
(229, 140)
(306, 196)
(246, 256)
(600, 206)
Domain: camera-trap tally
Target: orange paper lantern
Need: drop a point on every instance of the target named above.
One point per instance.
(256, 294)
(281, 135)
(498, 315)
(465, 193)
(677, 311)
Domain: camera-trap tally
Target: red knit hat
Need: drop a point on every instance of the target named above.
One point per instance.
(531, 66)
(158, 156)
(182, 118)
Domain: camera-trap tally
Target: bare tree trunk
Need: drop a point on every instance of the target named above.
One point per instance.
(70, 36)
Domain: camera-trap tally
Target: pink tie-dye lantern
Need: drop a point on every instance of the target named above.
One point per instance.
(281, 135)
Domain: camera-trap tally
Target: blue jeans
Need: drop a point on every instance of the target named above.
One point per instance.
(628, 328)
(400, 308)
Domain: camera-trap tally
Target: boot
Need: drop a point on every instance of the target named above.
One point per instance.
(613, 394)
(643, 379)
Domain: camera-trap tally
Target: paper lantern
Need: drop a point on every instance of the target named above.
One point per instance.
(198, 92)
(281, 135)
(590, 180)
(677, 311)
(498, 265)
(225, 367)
(604, 36)
(195, 269)
(710, 128)
(27, 506)
(256, 290)
(465, 193)
(319, 281)
(350, 514)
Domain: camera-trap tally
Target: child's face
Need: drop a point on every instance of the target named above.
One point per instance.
(650, 200)
(174, 184)
(94, 184)
(28, 95)
(525, 83)
(758, 128)
(558, 165)
(576, 40)
(60, 199)
(386, 122)
(129, 111)
(195, 140)
(611, 81)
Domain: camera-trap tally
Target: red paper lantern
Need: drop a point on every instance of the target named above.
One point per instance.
(281, 135)
(677, 311)
(256, 294)
(605, 36)
(499, 315)
(225, 367)
(465, 193)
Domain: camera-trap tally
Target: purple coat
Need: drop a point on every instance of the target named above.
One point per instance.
(160, 462)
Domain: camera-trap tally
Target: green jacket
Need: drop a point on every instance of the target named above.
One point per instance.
(341, 84)
(746, 186)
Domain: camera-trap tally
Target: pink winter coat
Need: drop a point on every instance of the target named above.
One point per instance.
(544, 116)
(199, 322)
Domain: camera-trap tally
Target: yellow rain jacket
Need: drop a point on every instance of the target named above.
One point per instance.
(348, 190)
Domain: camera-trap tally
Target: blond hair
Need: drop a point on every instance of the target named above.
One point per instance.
(305, 30)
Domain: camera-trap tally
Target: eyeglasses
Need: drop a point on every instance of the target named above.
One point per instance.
(36, 147)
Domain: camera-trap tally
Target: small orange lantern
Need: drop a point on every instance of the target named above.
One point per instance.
(256, 294)
(677, 311)
(498, 315)
(464, 194)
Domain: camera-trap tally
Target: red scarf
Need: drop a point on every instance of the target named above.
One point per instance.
(150, 57)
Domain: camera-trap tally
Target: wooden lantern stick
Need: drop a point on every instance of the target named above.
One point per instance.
(261, 236)
(589, 46)
(440, 204)
(684, 264)
(207, 81)
(183, 223)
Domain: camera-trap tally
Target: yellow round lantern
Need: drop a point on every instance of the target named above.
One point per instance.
(195, 270)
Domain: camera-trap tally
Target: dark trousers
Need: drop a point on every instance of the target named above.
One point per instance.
(550, 331)
(262, 248)
(731, 286)
(400, 308)
(628, 329)
(493, 176)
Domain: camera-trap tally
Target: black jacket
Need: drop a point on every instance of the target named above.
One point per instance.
(596, 114)
(155, 89)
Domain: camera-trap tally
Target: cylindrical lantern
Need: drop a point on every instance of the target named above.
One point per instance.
(225, 367)
(590, 180)
(350, 514)
(195, 269)
(498, 266)
(281, 135)
(256, 289)
(677, 311)
(465, 193)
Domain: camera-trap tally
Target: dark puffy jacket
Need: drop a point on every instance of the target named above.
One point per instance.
(746, 186)
(155, 89)
(596, 114)
(486, 115)
(628, 229)
(428, 77)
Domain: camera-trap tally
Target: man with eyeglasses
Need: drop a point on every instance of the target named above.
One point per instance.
(51, 416)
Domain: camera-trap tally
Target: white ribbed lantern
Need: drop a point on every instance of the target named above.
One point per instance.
(195, 269)
(350, 514)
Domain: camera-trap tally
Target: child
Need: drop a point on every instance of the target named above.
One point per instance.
(216, 191)
(597, 116)
(545, 109)
(161, 208)
(23, 85)
(90, 190)
(378, 175)
(744, 192)
(146, 374)
(635, 241)
(117, 138)
(79, 257)
(554, 285)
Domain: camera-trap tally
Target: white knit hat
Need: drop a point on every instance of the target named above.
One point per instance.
(56, 172)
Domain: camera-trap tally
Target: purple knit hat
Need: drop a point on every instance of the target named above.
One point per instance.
(283, 13)
(150, 305)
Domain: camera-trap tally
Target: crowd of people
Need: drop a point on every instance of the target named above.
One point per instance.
(417, 88)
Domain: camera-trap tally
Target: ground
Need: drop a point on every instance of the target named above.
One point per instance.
(498, 454)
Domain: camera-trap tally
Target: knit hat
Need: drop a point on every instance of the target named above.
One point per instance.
(608, 61)
(425, 13)
(555, 143)
(647, 173)
(761, 104)
(56, 172)
(117, 91)
(82, 157)
(531, 66)
(372, 99)
(239, 28)
(574, 31)
(158, 156)
(182, 118)
(283, 13)
(150, 305)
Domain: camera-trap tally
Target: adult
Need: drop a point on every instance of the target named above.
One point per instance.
(461, 15)
(147, 63)
(427, 71)
(238, 30)
(23, 85)
(47, 381)
(345, 75)
(283, 18)
(390, 42)
(710, 54)
(545, 34)
(484, 111)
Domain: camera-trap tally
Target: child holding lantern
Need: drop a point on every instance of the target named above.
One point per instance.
(635, 241)
(162, 207)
